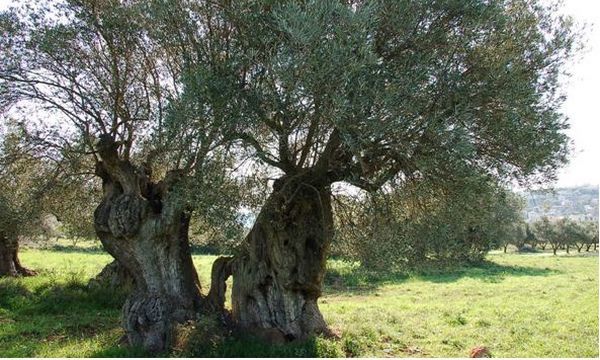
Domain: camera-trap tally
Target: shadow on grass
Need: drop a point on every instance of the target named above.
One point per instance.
(57, 298)
(486, 271)
(71, 297)
(95, 249)
(208, 341)
(351, 277)
(124, 351)
(252, 347)
(11, 291)
(55, 311)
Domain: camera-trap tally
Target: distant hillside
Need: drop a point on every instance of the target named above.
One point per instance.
(579, 203)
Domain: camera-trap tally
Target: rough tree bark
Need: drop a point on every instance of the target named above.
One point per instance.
(146, 230)
(9, 258)
(277, 275)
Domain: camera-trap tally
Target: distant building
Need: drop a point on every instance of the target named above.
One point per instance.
(577, 203)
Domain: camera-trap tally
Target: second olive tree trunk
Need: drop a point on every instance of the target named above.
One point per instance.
(278, 275)
(143, 226)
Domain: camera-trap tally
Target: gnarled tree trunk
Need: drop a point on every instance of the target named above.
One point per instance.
(9, 258)
(278, 274)
(146, 230)
(221, 271)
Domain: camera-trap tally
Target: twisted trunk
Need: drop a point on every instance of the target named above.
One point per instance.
(9, 258)
(146, 231)
(278, 274)
(221, 271)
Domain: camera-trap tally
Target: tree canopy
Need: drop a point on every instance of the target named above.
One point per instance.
(364, 91)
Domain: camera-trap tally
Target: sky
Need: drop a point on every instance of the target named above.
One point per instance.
(583, 98)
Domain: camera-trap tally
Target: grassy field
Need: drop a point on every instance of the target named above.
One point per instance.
(517, 305)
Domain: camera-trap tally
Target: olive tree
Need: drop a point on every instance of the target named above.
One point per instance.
(531, 239)
(591, 228)
(112, 89)
(363, 92)
(578, 234)
(24, 185)
(423, 222)
(548, 232)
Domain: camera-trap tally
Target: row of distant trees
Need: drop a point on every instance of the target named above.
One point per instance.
(448, 224)
(557, 234)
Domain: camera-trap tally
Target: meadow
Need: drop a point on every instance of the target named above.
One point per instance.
(516, 305)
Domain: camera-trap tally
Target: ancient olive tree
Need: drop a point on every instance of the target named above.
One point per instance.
(111, 88)
(363, 92)
(10, 223)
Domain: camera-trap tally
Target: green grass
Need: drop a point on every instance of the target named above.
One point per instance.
(532, 305)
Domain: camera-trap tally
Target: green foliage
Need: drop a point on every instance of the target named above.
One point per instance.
(33, 189)
(565, 232)
(530, 237)
(423, 222)
(216, 237)
(390, 87)
(74, 206)
(25, 181)
(109, 69)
